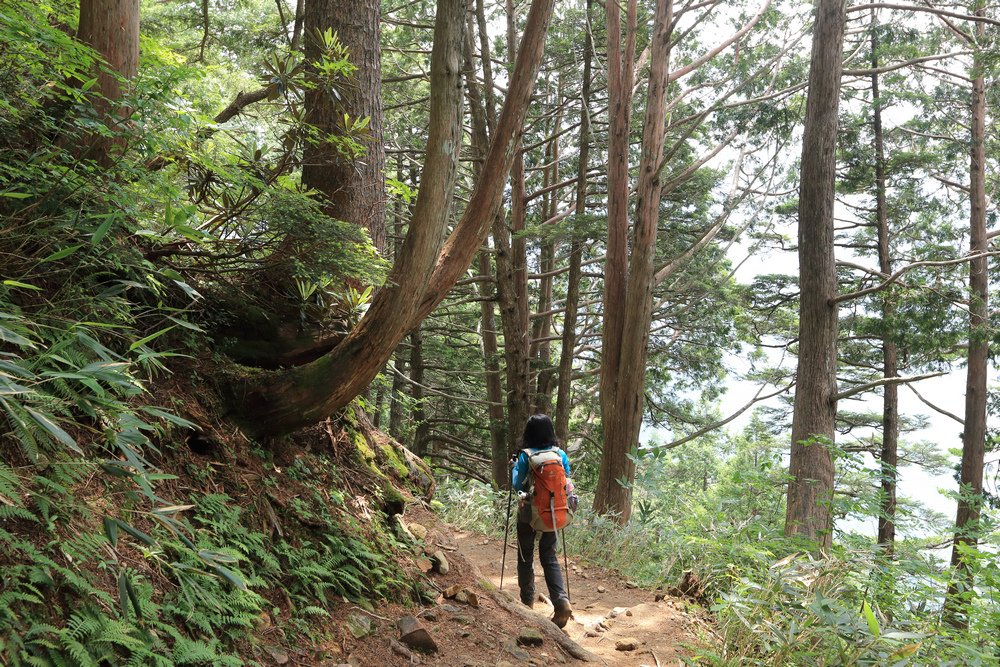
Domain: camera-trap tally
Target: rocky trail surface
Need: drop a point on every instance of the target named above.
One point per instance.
(613, 619)
(473, 624)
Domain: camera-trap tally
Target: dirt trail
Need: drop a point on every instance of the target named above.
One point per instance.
(488, 631)
(607, 611)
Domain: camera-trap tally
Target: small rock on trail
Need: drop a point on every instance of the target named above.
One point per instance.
(440, 562)
(530, 637)
(415, 635)
(359, 625)
(627, 644)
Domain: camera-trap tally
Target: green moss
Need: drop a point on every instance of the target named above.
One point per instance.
(393, 501)
(364, 451)
(394, 461)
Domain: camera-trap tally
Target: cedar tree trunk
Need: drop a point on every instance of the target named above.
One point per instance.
(624, 351)
(810, 490)
(970, 499)
(111, 28)
(353, 188)
(890, 365)
(564, 397)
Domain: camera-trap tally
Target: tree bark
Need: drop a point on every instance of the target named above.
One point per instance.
(111, 28)
(970, 500)
(353, 188)
(890, 366)
(419, 414)
(485, 201)
(623, 382)
(810, 489)
(512, 283)
(494, 388)
(564, 396)
(542, 329)
(282, 402)
(513, 321)
(395, 402)
(479, 112)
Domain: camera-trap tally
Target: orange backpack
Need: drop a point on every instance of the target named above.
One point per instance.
(547, 495)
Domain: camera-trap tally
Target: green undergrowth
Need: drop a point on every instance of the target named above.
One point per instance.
(772, 603)
(120, 544)
(91, 575)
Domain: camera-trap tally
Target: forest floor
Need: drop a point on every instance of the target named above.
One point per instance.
(615, 621)
(609, 613)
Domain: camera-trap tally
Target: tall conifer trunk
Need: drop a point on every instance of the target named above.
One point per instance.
(353, 188)
(512, 282)
(482, 119)
(111, 28)
(890, 366)
(810, 489)
(564, 395)
(629, 277)
(970, 501)
(541, 351)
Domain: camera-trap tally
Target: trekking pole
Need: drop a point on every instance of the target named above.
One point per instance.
(566, 564)
(506, 530)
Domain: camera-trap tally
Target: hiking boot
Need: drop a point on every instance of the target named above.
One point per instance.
(563, 612)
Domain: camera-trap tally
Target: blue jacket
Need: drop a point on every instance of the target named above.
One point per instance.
(521, 468)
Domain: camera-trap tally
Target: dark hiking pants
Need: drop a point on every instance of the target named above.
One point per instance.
(549, 559)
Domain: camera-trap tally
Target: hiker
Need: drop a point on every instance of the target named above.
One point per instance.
(539, 444)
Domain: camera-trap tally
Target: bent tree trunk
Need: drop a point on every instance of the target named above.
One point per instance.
(810, 490)
(281, 402)
(352, 188)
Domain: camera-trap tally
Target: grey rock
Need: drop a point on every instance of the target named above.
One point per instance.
(415, 635)
(530, 637)
(279, 656)
(440, 562)
(516, 651)
(359, 625)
